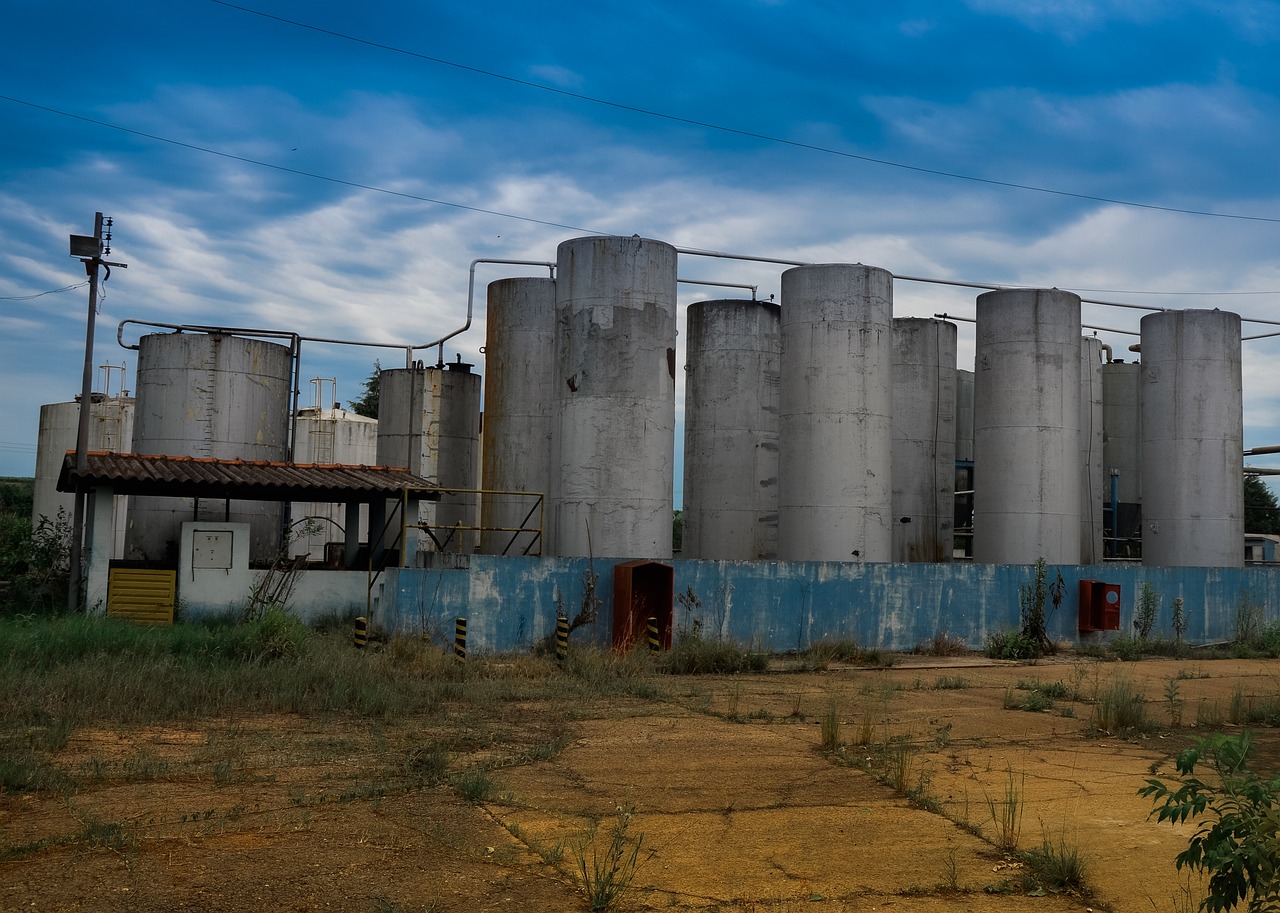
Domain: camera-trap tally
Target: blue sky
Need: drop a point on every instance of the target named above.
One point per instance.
(227, 145)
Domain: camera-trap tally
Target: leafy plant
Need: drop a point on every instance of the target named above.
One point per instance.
(1032, 599)
(606, 872)
(1144, 616)
(1179, 621)
(1121, 708)
(1010, 644)
(1236, 842)
(1006, 813)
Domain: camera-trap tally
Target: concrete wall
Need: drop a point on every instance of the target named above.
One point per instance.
(510, 603)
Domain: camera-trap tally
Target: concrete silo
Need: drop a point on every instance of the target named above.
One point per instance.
(924, 439)
(208, 395)
(613, 442)
(731, 430)
(964, 463)
(1192, 440)
(836, 414)
(1093, 488)
(1026, 427)
(518, 394)
(329, 436)
(1122, 453)
(429, 423)
(110, 430)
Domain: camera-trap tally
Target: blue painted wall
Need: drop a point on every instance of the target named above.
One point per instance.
(511, 603)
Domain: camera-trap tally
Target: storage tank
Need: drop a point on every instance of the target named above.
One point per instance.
(1122, 452)
(518, 394)
(836, 413)
(329, 436)
(924, 439)
(1093, 488)
(208, 395)
(110, 430)
(964, 464)
(1026, 427)
(1192, 440)
(613, 444)
(731, 430)
(429, 423)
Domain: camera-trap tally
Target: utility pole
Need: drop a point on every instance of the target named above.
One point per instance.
(89, 250)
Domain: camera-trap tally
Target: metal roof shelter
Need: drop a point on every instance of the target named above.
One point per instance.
(247, 480)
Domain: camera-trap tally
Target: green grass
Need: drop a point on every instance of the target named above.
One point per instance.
(1121, 709)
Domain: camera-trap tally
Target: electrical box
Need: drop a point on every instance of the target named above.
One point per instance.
(212, 549)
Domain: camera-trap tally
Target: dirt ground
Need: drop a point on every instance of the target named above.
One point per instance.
(724, 778)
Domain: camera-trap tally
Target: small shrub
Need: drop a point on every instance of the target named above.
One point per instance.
(943, 644)
(1006, 812)
(831, 727)
(1146, 611)
(695, 655)
(1010, 644)
(604, 874)
(1128, 649)
(1121, 708)
(475, 785)
(1057, 865)
(949, 683)
(1235, 841)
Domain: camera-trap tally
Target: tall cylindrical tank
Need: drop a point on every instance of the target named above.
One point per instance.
(731, 430)
(964, 463)
(329, 436)
(924, 439)
(1026, 427)
(1093, 490)
(208, 395)
(110, 430)
(1122, 453)
(613, 444)
(429, 423)
(964, 415)
(518, 394)
(836, 414)
(1192, 440)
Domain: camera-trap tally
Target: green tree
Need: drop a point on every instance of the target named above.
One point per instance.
(1238, 814)
(1261, 510)
(367, 405)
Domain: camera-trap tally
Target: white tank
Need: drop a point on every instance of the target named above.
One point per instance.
(429, 423)
(1192, 440)
(1026, 427)
(964, 464)
(518, 394)
(1093, 487)
(328, 436)
(731, 430)
(613, 444)
(924, 439)
(208, 395)
(110, 430)
(1122, 452)
(964, 415)
(836, 414)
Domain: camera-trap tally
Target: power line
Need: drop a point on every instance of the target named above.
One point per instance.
(52, 291)
(825, 150)
(438, 202)
(295, 171)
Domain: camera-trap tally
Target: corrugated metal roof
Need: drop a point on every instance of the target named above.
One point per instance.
(248, 480)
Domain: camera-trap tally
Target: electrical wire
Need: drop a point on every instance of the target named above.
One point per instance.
(294, 171)
(52, 291)
(734, 131)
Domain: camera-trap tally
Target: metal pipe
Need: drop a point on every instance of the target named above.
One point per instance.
(471, 291)
(753, 288)
(1115, 512)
